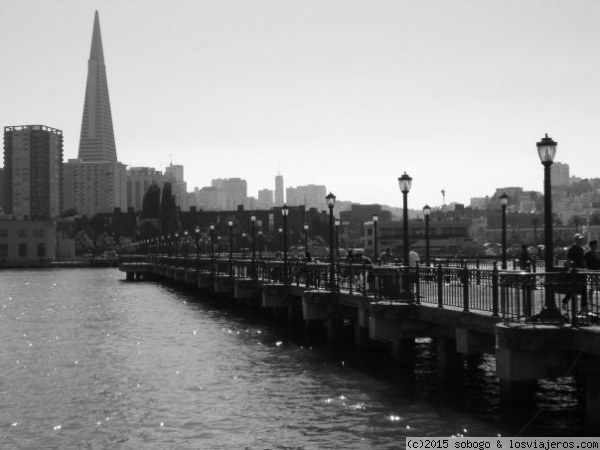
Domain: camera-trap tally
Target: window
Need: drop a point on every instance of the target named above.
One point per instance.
(3, 232)
(39, 233)
(3, 250)
(41, 250)
(22, 233)
(22, 250)
(369, 231)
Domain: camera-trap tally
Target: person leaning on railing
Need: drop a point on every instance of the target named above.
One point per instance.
(576, 260)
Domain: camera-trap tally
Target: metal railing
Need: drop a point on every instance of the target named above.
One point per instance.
(510, 295)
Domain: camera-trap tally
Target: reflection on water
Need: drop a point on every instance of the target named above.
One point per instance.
(91, 361)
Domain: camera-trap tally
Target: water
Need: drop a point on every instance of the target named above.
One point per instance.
(91, 361)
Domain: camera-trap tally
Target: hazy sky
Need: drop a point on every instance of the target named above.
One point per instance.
(345, 93)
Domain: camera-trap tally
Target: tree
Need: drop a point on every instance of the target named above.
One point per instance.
(83, 243)
(151, 203)
(169, 217)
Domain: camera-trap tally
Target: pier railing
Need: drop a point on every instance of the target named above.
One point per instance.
(510, 295)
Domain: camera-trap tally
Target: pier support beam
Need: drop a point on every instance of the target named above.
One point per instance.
(449, 360)
(404, 352)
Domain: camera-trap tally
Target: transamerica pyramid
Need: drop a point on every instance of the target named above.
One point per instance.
(97, 141)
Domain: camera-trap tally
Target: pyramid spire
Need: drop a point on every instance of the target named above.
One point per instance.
(97, 141)
(96, 52)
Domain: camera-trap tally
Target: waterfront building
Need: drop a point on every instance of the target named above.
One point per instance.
(1, 190)
(27, 242)
(279, 200)
(96, 182)
(33, 163)
(446, 236)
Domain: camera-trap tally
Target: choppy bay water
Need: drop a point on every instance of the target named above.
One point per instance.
(91, 361)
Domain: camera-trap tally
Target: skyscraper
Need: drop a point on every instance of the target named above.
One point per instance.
(96, 182)
(279, 190)
(97, 141)
(33, 162)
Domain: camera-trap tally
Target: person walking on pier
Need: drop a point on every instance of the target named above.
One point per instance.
(524, 258)
(576, 260)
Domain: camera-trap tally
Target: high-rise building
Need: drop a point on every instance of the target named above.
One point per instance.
(33, 163)
(311, 196)
(174, 175)
(97, 141)
(265, 199)
(559, 174)
(235, 190)
(279, 200)
(139, 179)
(96, 182)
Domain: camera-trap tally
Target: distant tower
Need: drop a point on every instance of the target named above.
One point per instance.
(279, 200)
(97, 141)
(96, 182)
(33, 164)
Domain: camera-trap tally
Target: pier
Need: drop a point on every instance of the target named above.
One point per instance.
(464, 309)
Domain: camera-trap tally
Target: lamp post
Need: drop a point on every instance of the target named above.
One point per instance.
(230, 225)
(176, 240)
(253, 227)
(331, 203)
(170, 244)
(546, 149)
(375, 252)
(284, 213)
(197, 235)
(305, 238)
(337, 237)
(261, 240)
(244, 245)
(185, 236)
(503, 203)
(427, 213)
(280, 247)
(212, 242)
(405, 183)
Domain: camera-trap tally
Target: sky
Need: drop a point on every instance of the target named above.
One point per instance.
(349, 94)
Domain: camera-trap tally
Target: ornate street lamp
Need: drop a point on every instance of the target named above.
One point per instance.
(503, 203)
(284, 213)
(337, 237)
(405, 183)
(253, 226)
(261, 240)
(244, 245)
(170, 243)
(230, 225)
(546, 149)
(427, 213)
(331, 203)
(197, 235)
(176, 240)
(375, 252)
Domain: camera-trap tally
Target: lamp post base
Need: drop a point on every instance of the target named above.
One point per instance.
(551, 315)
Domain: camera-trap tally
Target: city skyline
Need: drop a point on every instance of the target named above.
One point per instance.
(348, 96)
